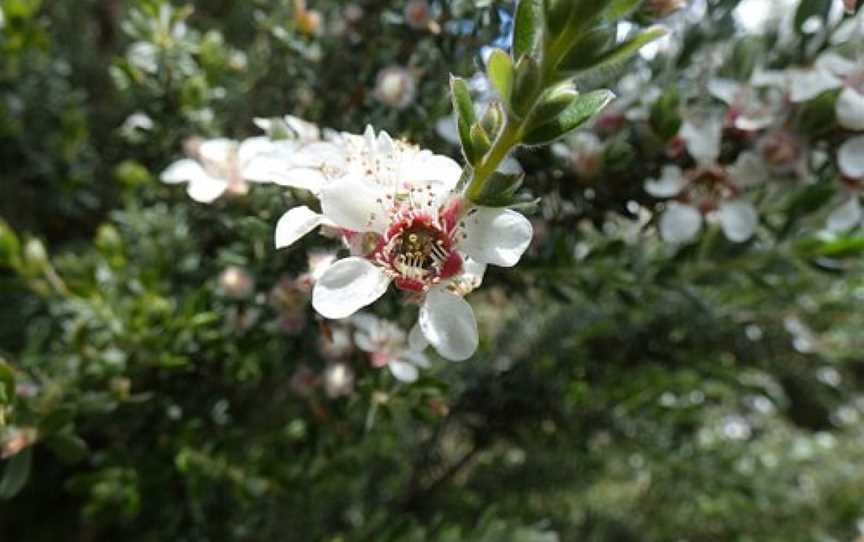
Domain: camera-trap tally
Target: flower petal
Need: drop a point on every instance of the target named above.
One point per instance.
(416, 341)
(496, 236)
(448, 324)
(670, 183)
(680, 223)
(252, 147)
(355, 203)
(294, 224)
(403, 371)
(206, 190)
(703, 138)
(738, 219)
(347, 286)
(850, 109)
(850, 158)
(847, 216)
(807, 84)
(217, 151)
(748, 170)
(183, 171)
(725, 90)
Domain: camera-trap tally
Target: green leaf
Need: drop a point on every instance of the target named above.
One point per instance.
(463, 107)
(619, 53)
(558, 14)
(480, 142)
(577, 113)
(811, 8)
(527, 86)
(501, 187)
(68, 447)
(842, 247)
(665, 116)
(530, 29)
(621, 8)
(10, 246)
(493, 120)
(16, 473)
(7, 383)
(818, 115)
(589, 48)
(500, 72)
(552, 103)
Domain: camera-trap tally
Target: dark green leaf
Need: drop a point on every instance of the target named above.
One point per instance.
(526, 86)
(665, 114)
(530, 29)
(580, 110)
(16, 473)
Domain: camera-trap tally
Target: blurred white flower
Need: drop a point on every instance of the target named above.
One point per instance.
(396, 87)
(215, 166)
(338, 380)
(833, 71)
(387, 344)
(709, 190)
(850, 160)
(236, 282)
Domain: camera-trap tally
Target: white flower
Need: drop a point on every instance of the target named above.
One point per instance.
(388, 345)
(832, 71)
(395, 207)
(714, 191)
(850, 160)
(702, 136)
(338, 380)
(216, 166)
(396, 87)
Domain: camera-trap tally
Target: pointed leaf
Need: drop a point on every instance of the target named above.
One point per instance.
(530, 29)
(619, 53)
(526, 87)
(500, 72)
(577, 113)
(16, 473)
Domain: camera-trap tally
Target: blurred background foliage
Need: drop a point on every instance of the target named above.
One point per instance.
(624, 391)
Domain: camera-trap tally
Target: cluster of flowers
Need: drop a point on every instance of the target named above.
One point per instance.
(755, 119)
(396, 209)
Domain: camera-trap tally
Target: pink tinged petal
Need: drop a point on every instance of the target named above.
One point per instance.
(703, 139)
(680, 223)
(294, 224)
(448, 324)
(496, 236)
(206, 190)
(670, 183)
(807, 84)
(850, 158)
(847, 216)
(850, 109)
(217, 151)
(416, 341)
(738, 219)
(404, 372)
(356, 204)
(347, 286)
(183, 171)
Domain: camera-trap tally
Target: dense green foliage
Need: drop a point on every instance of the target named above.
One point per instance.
(625, 389)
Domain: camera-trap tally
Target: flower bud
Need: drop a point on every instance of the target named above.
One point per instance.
(396, 87)
(236, 282)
